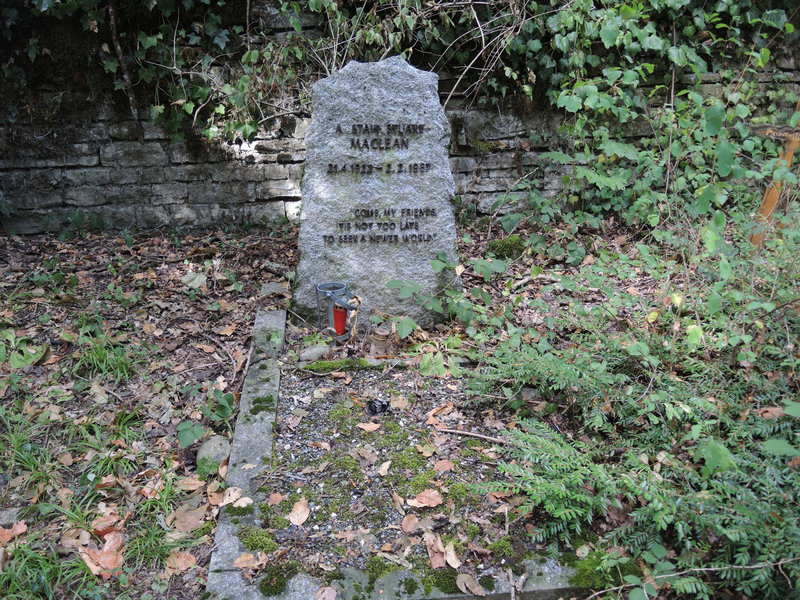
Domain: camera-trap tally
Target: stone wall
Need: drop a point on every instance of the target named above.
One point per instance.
(97, 166)
(91, 161)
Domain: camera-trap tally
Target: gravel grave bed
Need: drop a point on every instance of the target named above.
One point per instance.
(348, 488)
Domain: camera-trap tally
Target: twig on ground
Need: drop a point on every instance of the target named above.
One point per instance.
(471, 434)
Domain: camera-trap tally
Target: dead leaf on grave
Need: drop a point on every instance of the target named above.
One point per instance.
(64, 495)
(443, 466)
(226, 331)
(189, 484)
(214, 494)
(75, 539)
(106, 561)
(16, 530)
(188, 519)
(178, 562)
(318, 469)
(409, 523)
(275, 498)
(396, 559)
(321, 392)
(397, 501)
(292, 422)
(325, 593)
(248, 466)
(383, 469)
(451, 557)
(435, 550)
(231, 495)
(429, 498)
(365, 456)
(770, 412)
(398, 402)
(300, 512)
(368, 426)
(426, 449)
(321, 445)
(496, 497)
(250, 561)
(66, 459)
(467, 584)
(243, 502)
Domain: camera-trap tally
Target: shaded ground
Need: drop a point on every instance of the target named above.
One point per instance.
(128, 351)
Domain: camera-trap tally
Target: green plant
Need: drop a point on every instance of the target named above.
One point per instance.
(37, 571)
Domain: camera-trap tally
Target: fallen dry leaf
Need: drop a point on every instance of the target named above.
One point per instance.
(214, 494)
(409, 523)
(467, 584)
(178, 562)
(429, 498)
(443, 466)
(398, 501)
(189, 484)
(226, 331)
(188, 519)
(208, 349)
(107, 561)
(16, 530)
(75, 539)
(398, 402)
(275, 498)
(251, 561)
(368, 426)
(230, 495)
(426, 450)
(383, 469)
(325, 593)
(243, 502)
(435, 550)
(321, 445)
(300, 512)
(451, 557)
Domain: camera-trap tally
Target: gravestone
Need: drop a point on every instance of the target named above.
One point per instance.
(377, 187)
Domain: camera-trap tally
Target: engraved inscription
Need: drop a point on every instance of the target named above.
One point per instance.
(376, 226)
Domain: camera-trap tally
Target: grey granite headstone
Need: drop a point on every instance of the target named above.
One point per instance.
(377, 187)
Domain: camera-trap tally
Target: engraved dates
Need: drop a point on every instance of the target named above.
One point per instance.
(414, 168)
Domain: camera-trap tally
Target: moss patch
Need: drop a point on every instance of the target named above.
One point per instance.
(272, 519)
(589, 574)
(255, 539)
(263, 404)
(410, 585)
(328, 366)
(510, 247)
(239, 511)
(275, 578)
(502, 547)
(487, 583)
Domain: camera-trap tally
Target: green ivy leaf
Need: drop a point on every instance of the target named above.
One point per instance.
(405, 326)
(609, 36)
(792, 408)
(569, 102)
(432, 364)
(779, 447)
(714, 115)
(189, 433)
(637, 594)
(717, 457)
(725, 155)
(653, 42)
